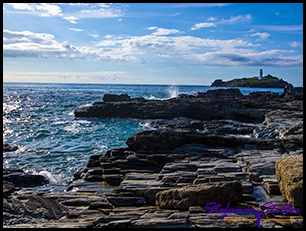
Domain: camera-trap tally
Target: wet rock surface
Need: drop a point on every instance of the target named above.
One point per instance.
(165, 177)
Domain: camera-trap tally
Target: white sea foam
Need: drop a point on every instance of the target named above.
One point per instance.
(174, 91)
(48, 176)
(8, 108)
(145, 125)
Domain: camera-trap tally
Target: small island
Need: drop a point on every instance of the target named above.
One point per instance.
(267, 81)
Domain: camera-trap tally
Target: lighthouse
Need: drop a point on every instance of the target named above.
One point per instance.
(260, 74)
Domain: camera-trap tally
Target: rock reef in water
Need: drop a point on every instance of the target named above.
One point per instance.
(266, 82)
(211, 105)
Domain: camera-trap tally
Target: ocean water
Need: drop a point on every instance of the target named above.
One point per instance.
(39, 119)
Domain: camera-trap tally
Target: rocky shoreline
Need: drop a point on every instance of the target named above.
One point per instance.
(218, 146)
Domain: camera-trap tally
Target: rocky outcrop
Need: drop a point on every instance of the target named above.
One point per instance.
(211, 105)
(289, 173)
(200, 195)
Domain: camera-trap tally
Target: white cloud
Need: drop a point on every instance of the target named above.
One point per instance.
(71, 19)
(22, 6)
(295, 44)
(262, 36)
(162, 31)
(235, 19)
(94, 35)
(50, 9)
(203, 24)
(46, 9)
(231, 20)
(75, 29)
(211, 19)
(99, 13)
(250, 58)
(80, 10)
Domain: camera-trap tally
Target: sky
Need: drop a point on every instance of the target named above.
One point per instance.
(151, 43)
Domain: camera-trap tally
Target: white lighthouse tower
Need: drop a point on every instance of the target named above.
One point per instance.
(260, 74)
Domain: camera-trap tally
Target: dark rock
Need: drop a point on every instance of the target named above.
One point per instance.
(221, 93)
(101, 205)
(112, 179)
(38, 206)
(264, 134)
(294, 94)
(228, 127)
(9, 147)
(116, 98)
(126, 201)
(262, 95)
(213, 104)
(22, 179)
(179, 122)
(8, 188)
(167, 139)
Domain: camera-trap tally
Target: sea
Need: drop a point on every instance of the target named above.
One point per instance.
(39, 119)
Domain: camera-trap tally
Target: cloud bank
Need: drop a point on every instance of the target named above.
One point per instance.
(166, 43)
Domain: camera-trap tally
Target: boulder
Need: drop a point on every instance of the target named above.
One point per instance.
(289, 173)
(200, 195)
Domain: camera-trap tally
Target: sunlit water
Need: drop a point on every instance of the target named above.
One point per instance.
(39, 119)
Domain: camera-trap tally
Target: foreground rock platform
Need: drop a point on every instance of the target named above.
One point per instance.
(166, 177)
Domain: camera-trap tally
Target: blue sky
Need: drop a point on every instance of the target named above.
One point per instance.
(151, 43)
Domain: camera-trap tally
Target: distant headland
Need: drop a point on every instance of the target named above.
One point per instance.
(267, 81)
